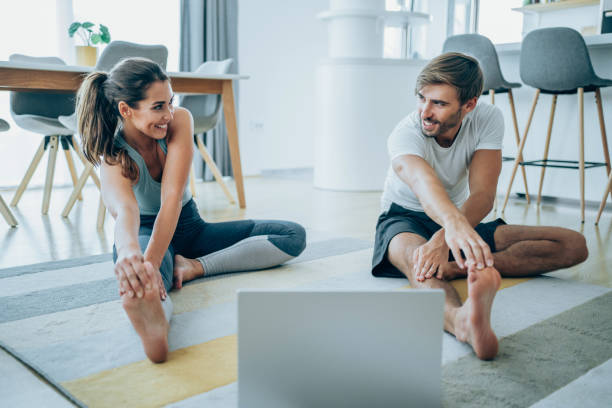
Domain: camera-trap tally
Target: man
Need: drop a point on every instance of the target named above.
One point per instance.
(445, 162)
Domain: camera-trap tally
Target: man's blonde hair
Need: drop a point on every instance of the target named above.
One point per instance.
(457, 70)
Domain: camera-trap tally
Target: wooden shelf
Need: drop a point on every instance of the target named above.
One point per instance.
(558, 5)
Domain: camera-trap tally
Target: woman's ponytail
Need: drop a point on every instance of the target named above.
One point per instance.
(96, 117)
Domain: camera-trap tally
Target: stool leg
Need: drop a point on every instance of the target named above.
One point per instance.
(101, 214)
(94, 175)
(521, 147)
(492, 92)
(7, 214)
(77, 189)
(603, 200)
(29, 172)
(581, 165)
(602, 127)
(518, 142)
(53, 145)
(547, 145)
(71, 168)
(215, 170)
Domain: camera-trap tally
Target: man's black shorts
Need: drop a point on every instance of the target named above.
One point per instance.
(398, 219)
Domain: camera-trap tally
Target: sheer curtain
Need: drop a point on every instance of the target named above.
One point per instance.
(209, 32)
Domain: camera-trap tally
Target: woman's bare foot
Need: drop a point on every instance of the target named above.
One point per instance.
(473, 320)
(186, 269)
(149, 321)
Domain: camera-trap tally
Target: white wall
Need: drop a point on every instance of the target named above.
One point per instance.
(582, 19)
(279, 46)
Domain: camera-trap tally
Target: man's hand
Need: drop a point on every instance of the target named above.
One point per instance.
(428, 257)
(461, 236)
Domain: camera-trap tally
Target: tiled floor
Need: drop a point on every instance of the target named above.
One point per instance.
(46, 238)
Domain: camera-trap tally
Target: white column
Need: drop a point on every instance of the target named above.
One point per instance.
(64, 16)
(360, 95)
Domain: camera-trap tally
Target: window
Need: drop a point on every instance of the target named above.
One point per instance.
(39, 34)
(461, 16)
(139, 21)
(499, 22)
(494, 19)
(399, 40)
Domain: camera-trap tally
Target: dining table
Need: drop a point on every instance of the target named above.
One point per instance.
(67, 78)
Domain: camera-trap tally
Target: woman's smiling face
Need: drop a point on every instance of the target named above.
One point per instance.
(154, 113)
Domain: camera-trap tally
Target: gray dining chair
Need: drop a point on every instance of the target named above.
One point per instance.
(112, 54)
(556, 61)
(481, 48)
(4, 209)
(206, 112)
(38, 112)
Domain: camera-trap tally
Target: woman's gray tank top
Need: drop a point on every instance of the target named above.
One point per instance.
(147, 190)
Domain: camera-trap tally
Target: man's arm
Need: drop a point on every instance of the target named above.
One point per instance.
(483, 174)
(459, 234)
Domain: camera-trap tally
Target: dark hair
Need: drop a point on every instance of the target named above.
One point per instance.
(458, 70)
(97, 108)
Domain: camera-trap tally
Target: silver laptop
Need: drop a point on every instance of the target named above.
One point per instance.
(339, 348)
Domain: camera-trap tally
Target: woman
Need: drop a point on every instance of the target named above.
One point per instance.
(144, 146)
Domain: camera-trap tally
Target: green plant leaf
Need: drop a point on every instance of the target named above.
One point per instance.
(105, 34)
(73, 28)
(95, 38)
(88, 24)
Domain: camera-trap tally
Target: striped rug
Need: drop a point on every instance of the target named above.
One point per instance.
(66, 321)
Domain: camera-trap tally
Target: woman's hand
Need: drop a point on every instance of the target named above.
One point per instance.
(134, 274)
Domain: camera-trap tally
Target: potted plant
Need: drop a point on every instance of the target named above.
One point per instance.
(87, 54)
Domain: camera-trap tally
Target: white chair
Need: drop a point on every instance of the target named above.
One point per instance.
(206, 112)
(4, 210)
(38, 112)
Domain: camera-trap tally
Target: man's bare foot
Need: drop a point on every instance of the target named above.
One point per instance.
(186, 269)
(473, 320)
(450, 271)
(149, 321)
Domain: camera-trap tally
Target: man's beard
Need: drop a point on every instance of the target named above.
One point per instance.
(442, 126)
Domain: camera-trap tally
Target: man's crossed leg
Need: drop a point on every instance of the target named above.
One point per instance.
(520, 251)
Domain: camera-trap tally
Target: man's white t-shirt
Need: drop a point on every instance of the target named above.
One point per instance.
(482, 129)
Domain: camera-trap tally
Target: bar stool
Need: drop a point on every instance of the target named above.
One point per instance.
(607, 191)
(556, 61)
(481, 48)
(4, 210)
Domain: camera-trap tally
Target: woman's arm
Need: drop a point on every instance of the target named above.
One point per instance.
(174, 177)
(120, 201)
